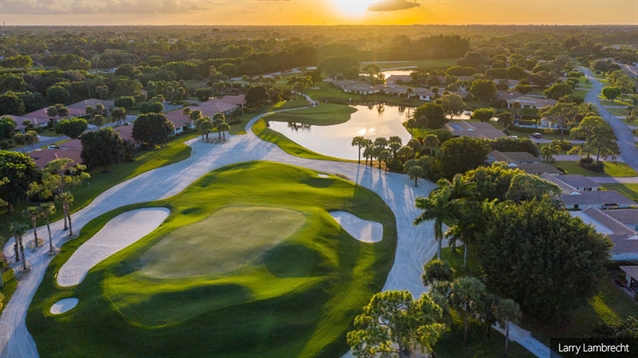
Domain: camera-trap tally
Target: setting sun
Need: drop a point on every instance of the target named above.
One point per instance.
(353, 8)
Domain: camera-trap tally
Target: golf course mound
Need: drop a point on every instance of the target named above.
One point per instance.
(244, 234)
(249, 263)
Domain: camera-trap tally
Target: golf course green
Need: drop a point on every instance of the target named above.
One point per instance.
(248, 264)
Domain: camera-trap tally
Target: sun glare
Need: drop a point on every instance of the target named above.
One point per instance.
(353, 8)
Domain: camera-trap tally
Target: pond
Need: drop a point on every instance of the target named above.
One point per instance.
(336, 140)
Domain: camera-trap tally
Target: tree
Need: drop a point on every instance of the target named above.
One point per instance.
(128, 102)
(102, 148)
(20, 170)
(118, 114)
(549, 151)
(490, 183)
(483, 114)
(562, 113)
(10, 103)
(152, 128)
(99, 120)
(72, 128)
(558, 90)
(438, 206)
(507, 311)
(32, 213)
(452, 104)
(58, 94)
(52, 112)
(151, 107)
(523, 88)
(31, 138)
(542, 78)
(360, 142)
(437, 271)
(431, 142)
(558, 257)
(525, 187)
(465, 296)
(203, 94)
(505, 119)
(611, 93)
(393, 322)
(7, 126)
(414, 170)
(484, 90)
(18, 230)
(205, 125)
(516, 73)
(459, 155)
(430, 115)
(256, 95)
(222, 128)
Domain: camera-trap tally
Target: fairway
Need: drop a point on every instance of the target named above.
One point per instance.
(231, 237)
(249, 263)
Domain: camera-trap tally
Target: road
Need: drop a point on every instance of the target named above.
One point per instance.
(626, 142)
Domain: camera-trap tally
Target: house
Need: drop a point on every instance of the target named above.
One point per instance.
(424, 94)
(71, 149)
(631, 275)
(570, 184)
(180, 121)
(527, 162)
(108, 104)
(474, 129)
(20, 122)
(531, 102)
(510, 83)
(601, 199)
(629, 217)
(393, 79)
(625, 240)
(506, 95)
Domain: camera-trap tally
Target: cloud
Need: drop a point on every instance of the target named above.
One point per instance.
(392, 5)
(88, 7)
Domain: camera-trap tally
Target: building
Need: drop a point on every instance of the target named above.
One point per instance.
(71, 149)
(600, 199)
(473, 129)
(572, 184)
(531, 102)
(631, 275)
(524, 161)
(625, 240)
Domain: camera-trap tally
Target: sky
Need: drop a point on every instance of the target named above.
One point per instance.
(317, 12)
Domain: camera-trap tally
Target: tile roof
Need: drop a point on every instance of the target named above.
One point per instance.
(521, 157)
(42, 113)
(533, 101)
(538, 168)
(614, 225)
(599, 197)
(628, 217)
(44, 156)
(564, 187)
(474, 129)
(632, 271)
(125, 132)
(579, 181)
(239, 100)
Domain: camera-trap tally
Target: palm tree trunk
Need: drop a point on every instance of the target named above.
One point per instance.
(35, 233)
(46, 217)
(66, 227)
(465, 250)
(507, 337)
(415, 182)
(359, 154)
(70, 226)
(439, 243)
(24, 260)
(465, 330)
(16, 249)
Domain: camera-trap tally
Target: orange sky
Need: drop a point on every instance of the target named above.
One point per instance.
(316, 12)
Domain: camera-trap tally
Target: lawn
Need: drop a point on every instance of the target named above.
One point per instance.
(240, 128)
(611, 169)
(479, 346)
(323, 115)
(297, 298)
(425, 64)
(628, 190)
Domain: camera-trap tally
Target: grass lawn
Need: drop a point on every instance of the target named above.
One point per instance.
(240, 128)
(479, 346)
(444, 63)
(296, 299)
(611, 169)
(628, 190)
(323, 115)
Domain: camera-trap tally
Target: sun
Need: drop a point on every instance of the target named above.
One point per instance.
(352, 8)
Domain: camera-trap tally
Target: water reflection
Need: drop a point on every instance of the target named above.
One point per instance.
(369, 121)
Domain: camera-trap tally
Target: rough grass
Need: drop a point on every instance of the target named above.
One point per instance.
(287, 145)
(611, 169)
(299, 299)
(193, 250)
(450, 345)
(628, 190)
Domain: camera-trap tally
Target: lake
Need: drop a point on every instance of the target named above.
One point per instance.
(335, 141)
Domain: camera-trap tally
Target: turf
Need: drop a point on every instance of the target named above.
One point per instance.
(298, 299)
(611, 169)
(628, 190)
(249, 231)
(323, 115)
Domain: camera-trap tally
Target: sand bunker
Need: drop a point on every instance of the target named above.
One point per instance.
(122, 231)
(362, 230)
(323, 175)
(64, 305)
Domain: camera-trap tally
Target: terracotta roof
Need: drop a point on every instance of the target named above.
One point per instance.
(395, 78)
(178, 119)
(628, 217)
(71, 144)
(239, 100)
(44, 156)
(42, 113)
(125, 132)
(474, 129)
(632, 271)
(20, 119)
(91, 102)
(599, 197)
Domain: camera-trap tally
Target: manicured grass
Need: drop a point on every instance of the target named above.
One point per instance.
(628, 190)
(250, 231)
(611, 169)
(451, 343)
(323, 115)
(287, 145)
(240, 128)
(298, 299)
(327, 93)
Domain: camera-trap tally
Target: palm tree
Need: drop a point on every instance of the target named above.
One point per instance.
(187, 111)
(90, 111)
(409, 92)
(32, 213)
(439, 207)
(360, 143)
(431, 142)
(52, 112)
(507, 310)
(548, 151)
(367, 153)
(98, 120)
(194, 116)
(517, 106)
(205, 124)
(47, 209)
(118, 114)
(465, 296)
(223, 127)
(414, 170)
(99, 109)
(217, 119)
(66, 200)
(18, 230)
(385, 156)
(505, 119)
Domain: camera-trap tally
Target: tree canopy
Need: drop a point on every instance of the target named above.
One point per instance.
(152, 128)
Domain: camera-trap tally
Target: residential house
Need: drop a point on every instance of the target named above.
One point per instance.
(70, 149)
(625, 240)
(527, 162)
(401, 79)
(629, 217)
(601, 199)
(631, 275)
(531, 102)
(570, 184)
(473, 129)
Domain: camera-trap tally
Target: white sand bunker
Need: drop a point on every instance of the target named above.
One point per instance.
(64, 305)
(122, 231)
(362, 230)
(323, 175)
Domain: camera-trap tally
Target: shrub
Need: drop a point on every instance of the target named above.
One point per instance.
(589, 164)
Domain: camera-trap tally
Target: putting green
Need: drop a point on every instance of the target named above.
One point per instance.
(228, 239)
(248, 264)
